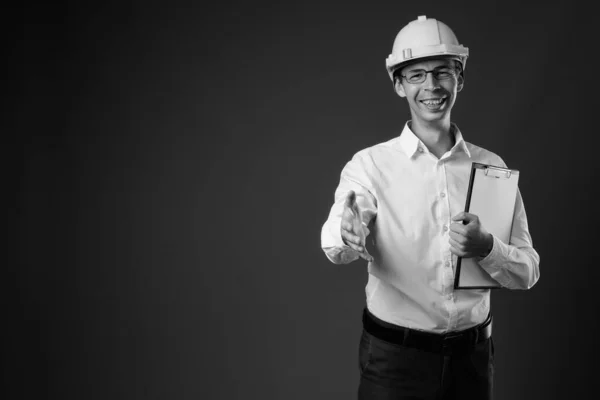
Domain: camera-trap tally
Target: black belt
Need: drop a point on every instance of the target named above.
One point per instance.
(432, 342)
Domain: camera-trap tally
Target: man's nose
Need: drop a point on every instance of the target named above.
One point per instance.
(431, 81)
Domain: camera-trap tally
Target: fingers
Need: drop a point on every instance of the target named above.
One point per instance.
(346, 225)
(352, 227)
(356, 243)
(356, 247)
(353, 230)
(455, 251)
(366, 230)
(458, 237)
(457, 247)
(361, 249)
(460, 249)
(352, 240)
(366, 256)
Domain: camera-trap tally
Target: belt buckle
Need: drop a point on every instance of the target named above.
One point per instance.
(449, 338)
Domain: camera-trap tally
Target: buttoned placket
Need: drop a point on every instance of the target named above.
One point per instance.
(447, 273)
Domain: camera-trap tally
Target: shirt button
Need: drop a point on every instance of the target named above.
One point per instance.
(443, 194)
(421, 150)
(447, 263)
(445, 228)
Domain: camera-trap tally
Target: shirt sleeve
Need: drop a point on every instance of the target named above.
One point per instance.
(354, 177)
(514, 265)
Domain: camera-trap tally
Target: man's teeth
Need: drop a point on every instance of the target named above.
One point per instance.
(433, 102)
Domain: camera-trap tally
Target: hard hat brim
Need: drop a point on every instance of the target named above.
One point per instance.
(457, 52)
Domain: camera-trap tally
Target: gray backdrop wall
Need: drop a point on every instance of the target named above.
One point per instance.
(173, 163)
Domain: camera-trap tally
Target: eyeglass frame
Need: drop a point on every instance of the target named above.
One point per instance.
(455, 72)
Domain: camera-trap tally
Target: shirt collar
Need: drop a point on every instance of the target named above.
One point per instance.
(410, 143)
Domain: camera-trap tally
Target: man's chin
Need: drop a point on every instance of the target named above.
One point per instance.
(430, 116)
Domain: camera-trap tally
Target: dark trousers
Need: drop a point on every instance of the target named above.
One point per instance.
(389, 371)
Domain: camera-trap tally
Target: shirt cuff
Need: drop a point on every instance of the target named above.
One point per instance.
(492, 263)
(335, 249)
(342, 254)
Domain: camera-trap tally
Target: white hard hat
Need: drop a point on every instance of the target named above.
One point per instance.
(424, 37)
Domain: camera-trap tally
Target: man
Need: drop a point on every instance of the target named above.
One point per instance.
(422, 339)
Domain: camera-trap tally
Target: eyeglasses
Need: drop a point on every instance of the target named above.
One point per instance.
(419, 75)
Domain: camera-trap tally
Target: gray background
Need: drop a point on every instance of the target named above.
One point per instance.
(173, 164)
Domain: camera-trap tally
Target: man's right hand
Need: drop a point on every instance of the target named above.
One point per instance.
(354, 232)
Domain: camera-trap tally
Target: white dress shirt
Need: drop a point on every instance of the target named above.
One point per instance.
(407, 197)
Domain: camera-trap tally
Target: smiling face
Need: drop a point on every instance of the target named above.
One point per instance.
(432, 99)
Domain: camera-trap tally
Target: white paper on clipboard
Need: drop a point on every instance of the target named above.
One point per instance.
(492, 195)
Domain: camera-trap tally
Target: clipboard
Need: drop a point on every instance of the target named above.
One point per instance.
(491, 196)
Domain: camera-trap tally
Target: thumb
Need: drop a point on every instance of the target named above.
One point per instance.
(355, 208)
(350, 200)
(465, 217)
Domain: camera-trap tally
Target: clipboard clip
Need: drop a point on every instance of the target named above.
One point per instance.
(496, 172)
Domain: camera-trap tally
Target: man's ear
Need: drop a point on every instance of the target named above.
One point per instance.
(399, 88)
(460, 81)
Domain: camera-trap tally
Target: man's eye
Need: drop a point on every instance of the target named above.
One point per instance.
(444, 73)
(416, 75)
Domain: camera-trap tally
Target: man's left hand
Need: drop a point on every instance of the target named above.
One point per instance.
(469, 239)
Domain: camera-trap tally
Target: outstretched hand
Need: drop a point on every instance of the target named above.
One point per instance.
(469, 239)
(354, 231)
